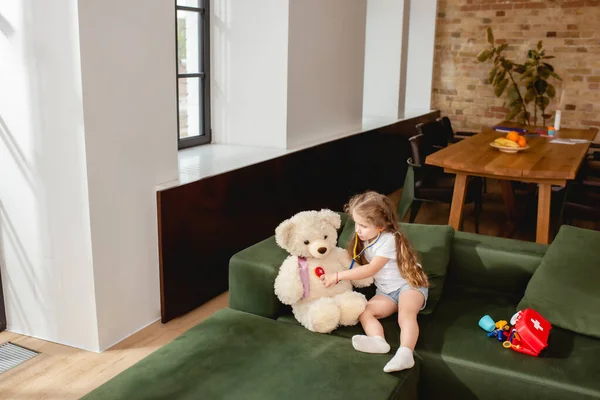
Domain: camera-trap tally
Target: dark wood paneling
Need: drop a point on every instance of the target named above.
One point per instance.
(203, 223)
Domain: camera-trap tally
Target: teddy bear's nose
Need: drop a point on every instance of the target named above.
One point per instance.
(322, 250)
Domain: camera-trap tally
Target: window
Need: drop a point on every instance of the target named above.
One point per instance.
(193, 84)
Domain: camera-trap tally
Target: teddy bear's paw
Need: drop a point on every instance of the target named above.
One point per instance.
(351, 305)
(363, 282)
(324, 315)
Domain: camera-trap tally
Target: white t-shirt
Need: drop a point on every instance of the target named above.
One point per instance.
(388, 279)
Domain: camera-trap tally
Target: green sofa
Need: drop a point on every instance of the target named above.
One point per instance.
(256, 349)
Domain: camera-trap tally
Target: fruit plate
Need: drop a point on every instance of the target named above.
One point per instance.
(505, 149)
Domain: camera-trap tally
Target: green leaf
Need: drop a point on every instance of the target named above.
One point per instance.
(515, 103)
(528, 74)
(555, 75)
(502, 47)
(550, 67)
(500, 77)
(513, 112)
(539, 45)
(518, 68)
(551, 91)
(529, 95)
(548, 57)
(543, 102)
(484, 55)
(512, 94)
(507, 65)
(490, 36)
(543, 72)
(492, 74)
(540, 86)
(499, 89)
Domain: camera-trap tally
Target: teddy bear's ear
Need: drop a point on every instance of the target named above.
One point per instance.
(283, 233)
(331, 217)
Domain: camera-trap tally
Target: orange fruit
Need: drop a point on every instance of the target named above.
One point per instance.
(522, 141)
(512, 135)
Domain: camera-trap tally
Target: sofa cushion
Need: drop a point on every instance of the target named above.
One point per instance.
(236, 355)
(493, 263)
(433, 243)
(564, 289)
(458, 357)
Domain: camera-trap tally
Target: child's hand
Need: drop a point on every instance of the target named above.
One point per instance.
(329, 279)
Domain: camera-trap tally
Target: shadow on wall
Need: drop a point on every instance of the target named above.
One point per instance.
(221, 69)
(33, 129)
(9, 238)
(5, 27)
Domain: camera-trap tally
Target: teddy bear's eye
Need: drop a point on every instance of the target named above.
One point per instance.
(325, 237)
(306, 242)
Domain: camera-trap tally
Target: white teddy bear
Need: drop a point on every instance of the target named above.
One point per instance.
(311, 239)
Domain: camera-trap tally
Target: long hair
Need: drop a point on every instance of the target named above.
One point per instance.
(380, 211)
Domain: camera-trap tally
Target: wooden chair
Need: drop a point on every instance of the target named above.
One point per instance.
(452, 136)
(434, 134)
(425, 183)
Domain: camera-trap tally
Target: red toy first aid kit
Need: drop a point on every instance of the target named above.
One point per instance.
(530, 331)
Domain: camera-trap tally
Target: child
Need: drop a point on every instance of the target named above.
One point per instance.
(401, 282)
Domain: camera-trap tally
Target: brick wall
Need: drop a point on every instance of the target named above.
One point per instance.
(570, 30)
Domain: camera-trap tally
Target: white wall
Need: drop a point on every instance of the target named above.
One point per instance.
(383, 91)
(249, 42)
(421, 46)
(382, 57)
(45, 243)
(128, 75)
(78, 203)
(325, 68)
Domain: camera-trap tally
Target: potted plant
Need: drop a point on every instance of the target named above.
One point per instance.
(522, 83)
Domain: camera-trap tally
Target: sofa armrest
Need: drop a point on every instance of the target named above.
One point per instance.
(252, 274)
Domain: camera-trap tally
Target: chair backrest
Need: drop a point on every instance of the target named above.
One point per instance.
(434, 133)
(420, 148)
(447, 127)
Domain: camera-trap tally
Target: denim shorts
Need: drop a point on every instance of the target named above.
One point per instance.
(396, 293)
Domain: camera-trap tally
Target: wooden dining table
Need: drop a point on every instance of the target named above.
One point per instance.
(543, 162)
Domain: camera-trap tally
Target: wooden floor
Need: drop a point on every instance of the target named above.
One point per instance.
(61, 372)
(492, 220)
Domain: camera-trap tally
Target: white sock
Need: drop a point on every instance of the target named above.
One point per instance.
(402, 360)
(370, 344)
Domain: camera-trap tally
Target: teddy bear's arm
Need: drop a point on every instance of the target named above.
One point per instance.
(288, 286)
(345, 259)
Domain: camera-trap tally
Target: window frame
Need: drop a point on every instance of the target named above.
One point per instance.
(205, 136)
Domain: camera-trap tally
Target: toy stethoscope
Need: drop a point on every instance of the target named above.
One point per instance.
(357, 256)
